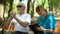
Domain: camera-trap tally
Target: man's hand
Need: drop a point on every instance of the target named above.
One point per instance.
(12, 14)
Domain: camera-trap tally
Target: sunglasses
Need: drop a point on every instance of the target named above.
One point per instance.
(19, 6)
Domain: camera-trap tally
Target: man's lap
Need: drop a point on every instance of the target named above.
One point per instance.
(18, 32)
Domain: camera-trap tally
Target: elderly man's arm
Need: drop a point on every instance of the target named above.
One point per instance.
(11, 17)
(24, 24)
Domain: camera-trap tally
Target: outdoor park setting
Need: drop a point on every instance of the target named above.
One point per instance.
(7, 6)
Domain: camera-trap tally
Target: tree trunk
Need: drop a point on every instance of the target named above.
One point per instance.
(20, 0)
(10, 8)
(4, 9)
(50, 5)
(28, 5)
(32, 12)
(43, 2)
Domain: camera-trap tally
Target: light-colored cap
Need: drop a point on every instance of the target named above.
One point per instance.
(21, 4)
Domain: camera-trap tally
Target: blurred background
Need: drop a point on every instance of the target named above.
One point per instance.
(52, 6)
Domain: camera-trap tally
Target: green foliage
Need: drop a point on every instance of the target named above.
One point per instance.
(14, 7)
(6, 2)
(56, 3)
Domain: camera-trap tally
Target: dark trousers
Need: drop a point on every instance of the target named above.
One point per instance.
(18, 32)
(35, 30)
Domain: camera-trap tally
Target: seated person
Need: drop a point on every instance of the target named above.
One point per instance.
(45, 20)
(21, 21)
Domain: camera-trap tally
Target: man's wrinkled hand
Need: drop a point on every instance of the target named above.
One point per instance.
(12, 14)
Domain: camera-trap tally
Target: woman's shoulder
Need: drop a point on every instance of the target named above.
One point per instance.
(39, 17)
(48, 14)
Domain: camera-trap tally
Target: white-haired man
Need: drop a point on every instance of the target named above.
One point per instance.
(21, 20)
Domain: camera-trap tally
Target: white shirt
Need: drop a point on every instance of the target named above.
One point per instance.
(24, 18)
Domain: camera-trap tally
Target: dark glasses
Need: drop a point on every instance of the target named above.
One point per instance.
(19, 6)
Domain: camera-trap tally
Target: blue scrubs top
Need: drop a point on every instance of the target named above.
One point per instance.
(47, 23)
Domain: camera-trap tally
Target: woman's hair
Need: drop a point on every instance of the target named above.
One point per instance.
(39, 8)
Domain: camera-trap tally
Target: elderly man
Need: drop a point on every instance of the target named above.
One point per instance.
(21, 20)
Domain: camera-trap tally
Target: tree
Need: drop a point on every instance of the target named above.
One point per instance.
(6, 2)
(50, 5)
(55, 3)
(2, 1)
(20, 0)
(43, 2)
(28, 5)
(32, 12)
(10, 8)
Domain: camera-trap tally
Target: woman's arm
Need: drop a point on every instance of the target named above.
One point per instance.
(43, 29)
(49, 30)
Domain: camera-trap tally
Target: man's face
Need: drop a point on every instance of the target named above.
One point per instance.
(41, 13)
(20, 10)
